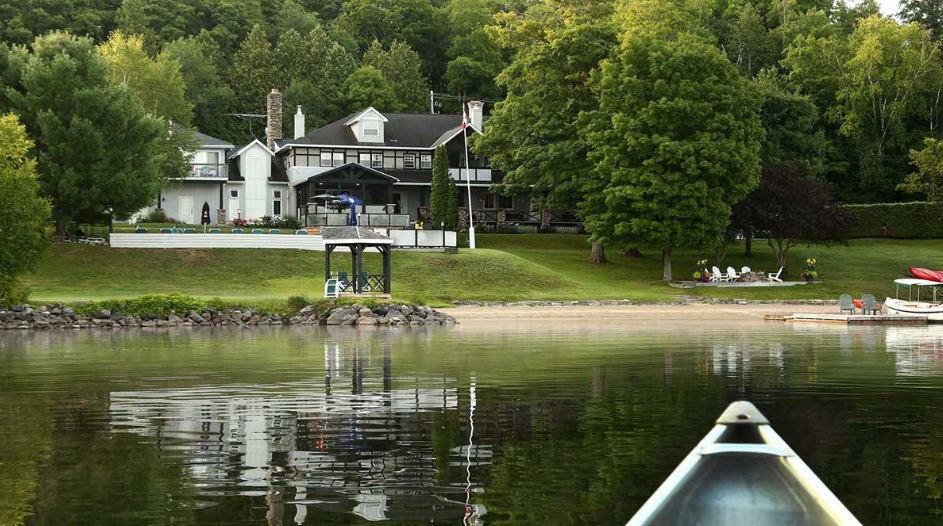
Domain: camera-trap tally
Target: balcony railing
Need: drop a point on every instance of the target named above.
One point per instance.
(204, 171)
(479, 175)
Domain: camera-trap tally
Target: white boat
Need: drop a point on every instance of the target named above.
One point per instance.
(920, 309)
(743, 473)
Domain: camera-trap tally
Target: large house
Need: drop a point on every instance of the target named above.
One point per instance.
(385, 159)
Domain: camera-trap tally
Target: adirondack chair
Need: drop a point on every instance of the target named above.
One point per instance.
(215, 231)
(238, 231)
(274, 231)
(189, 231)
(364, 281)
(166, 231)
(776, 276)
(869, 305)
(845, 303)
(732, 274)
(717, 276)
(342, 280)
(745, 270)
(301, 232)
(331, 288)
(258, 231)
(140, 230)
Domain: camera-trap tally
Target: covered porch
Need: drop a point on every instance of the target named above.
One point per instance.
(373, 187)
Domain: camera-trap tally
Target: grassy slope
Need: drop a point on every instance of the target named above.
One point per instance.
(507, 267)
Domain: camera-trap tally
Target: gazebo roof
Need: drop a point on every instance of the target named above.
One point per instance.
(352, 235)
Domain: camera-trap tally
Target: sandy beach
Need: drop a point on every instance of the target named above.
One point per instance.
(680, 312)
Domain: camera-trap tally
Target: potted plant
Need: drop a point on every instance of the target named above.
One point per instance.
(702, 274)
(809, 273)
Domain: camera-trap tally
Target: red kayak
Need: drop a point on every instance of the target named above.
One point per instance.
(929, 275)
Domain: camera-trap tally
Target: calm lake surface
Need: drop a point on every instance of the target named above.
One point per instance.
(487, 423)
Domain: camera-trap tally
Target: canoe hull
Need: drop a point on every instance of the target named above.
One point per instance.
(932, 311)
(742, 472)
(927, 274)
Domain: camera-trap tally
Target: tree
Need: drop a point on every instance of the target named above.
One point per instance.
(793, 210)
(928, 179)
(156, 84)
(158, 22)
(254, 72)
(926, 13)
(368, 87)
(22, 21)
(444, 200)
(294, 16)
(212, 99)
(415, 22)
(232, 20)
(533, 134)
(97, 147)
(23, 214)
(313, 73)
(475, 58)
(402, 67)
(751, 45)
(675, 144)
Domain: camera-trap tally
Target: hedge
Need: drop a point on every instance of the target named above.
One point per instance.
(917, 220)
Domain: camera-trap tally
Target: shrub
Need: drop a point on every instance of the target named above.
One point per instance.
(296, 303)
(917, 220)
(159, 304)
(12, 292)
(157, 216)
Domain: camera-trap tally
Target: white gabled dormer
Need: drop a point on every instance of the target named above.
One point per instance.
(368, 126)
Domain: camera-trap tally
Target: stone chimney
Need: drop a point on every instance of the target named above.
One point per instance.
(273, 128)
(475, 110)
(299, 123)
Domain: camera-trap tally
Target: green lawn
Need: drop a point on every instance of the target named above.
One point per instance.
(505, 267)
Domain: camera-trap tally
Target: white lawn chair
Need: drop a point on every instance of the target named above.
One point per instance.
(775, 277)
(745, 270)
(718, 276)
(331, 288)
(732, 274)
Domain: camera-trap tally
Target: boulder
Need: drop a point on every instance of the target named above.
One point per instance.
(343, 316)
(366, 320)
(296, 320)
(366, 313)
(194, 317)
(307, 311)
(18, 308)
(103, 314)
(406, 309)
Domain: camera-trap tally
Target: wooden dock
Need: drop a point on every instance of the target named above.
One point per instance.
(852, 319)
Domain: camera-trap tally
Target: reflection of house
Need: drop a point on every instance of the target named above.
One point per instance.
(347, 442)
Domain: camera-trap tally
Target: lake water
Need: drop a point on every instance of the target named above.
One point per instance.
(532, 423)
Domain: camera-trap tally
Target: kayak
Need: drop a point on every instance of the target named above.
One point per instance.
(742, 472)
(930, 311)
(927, 274)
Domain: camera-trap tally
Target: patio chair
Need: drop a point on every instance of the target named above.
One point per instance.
(776, 276)
(189, 231)
(301, 232)
(258, 231)
(166, 231)
(331, 288)
(845, 303)
(238, 231)
(342, 280)
(717, 276)
(869, 305)
(745, 270)
(140, 230)
(364, 281)
(732, 274)
(274, 231)
(215, 231)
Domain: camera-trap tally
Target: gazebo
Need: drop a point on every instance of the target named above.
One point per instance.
(358, 239)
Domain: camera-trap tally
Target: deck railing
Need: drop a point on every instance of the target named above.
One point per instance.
(204, 170)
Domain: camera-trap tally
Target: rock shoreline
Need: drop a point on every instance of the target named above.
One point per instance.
(57, 316)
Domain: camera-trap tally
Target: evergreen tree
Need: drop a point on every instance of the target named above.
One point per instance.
(444, 201)
(254, 72)
(402, 67)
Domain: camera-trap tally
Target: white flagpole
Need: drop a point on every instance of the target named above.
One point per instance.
(471, 217)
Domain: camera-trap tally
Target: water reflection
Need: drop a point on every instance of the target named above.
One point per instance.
(497, 423)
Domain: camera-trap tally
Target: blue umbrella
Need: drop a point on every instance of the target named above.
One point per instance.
(353, 203)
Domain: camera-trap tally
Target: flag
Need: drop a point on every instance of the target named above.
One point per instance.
(464, 118)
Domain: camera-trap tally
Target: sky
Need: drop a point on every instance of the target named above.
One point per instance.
(889, 7)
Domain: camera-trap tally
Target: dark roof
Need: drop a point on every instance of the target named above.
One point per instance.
(234, 174)
(344, 234)
(353, 166)
(278, 174)
(208, 142)
(403, 130)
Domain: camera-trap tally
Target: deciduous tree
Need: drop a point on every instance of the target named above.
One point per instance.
(402, 67)
(368, 87)
(928, 177)
(675, 144)
(24, 215)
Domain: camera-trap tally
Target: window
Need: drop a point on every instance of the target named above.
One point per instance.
(365, 159)
(492, 201)
(409, 161)
(277, 203)
(212, 157)
(426, 161)
(234, 194)
(371, 129)
(389, 162)
(377, 160)
(338, 158)
(325, 158)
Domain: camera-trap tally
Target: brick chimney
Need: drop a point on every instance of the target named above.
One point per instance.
(273, 128)
(475, 110)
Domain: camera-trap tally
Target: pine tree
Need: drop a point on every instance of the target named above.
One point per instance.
(439, 201)
(254, 71)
